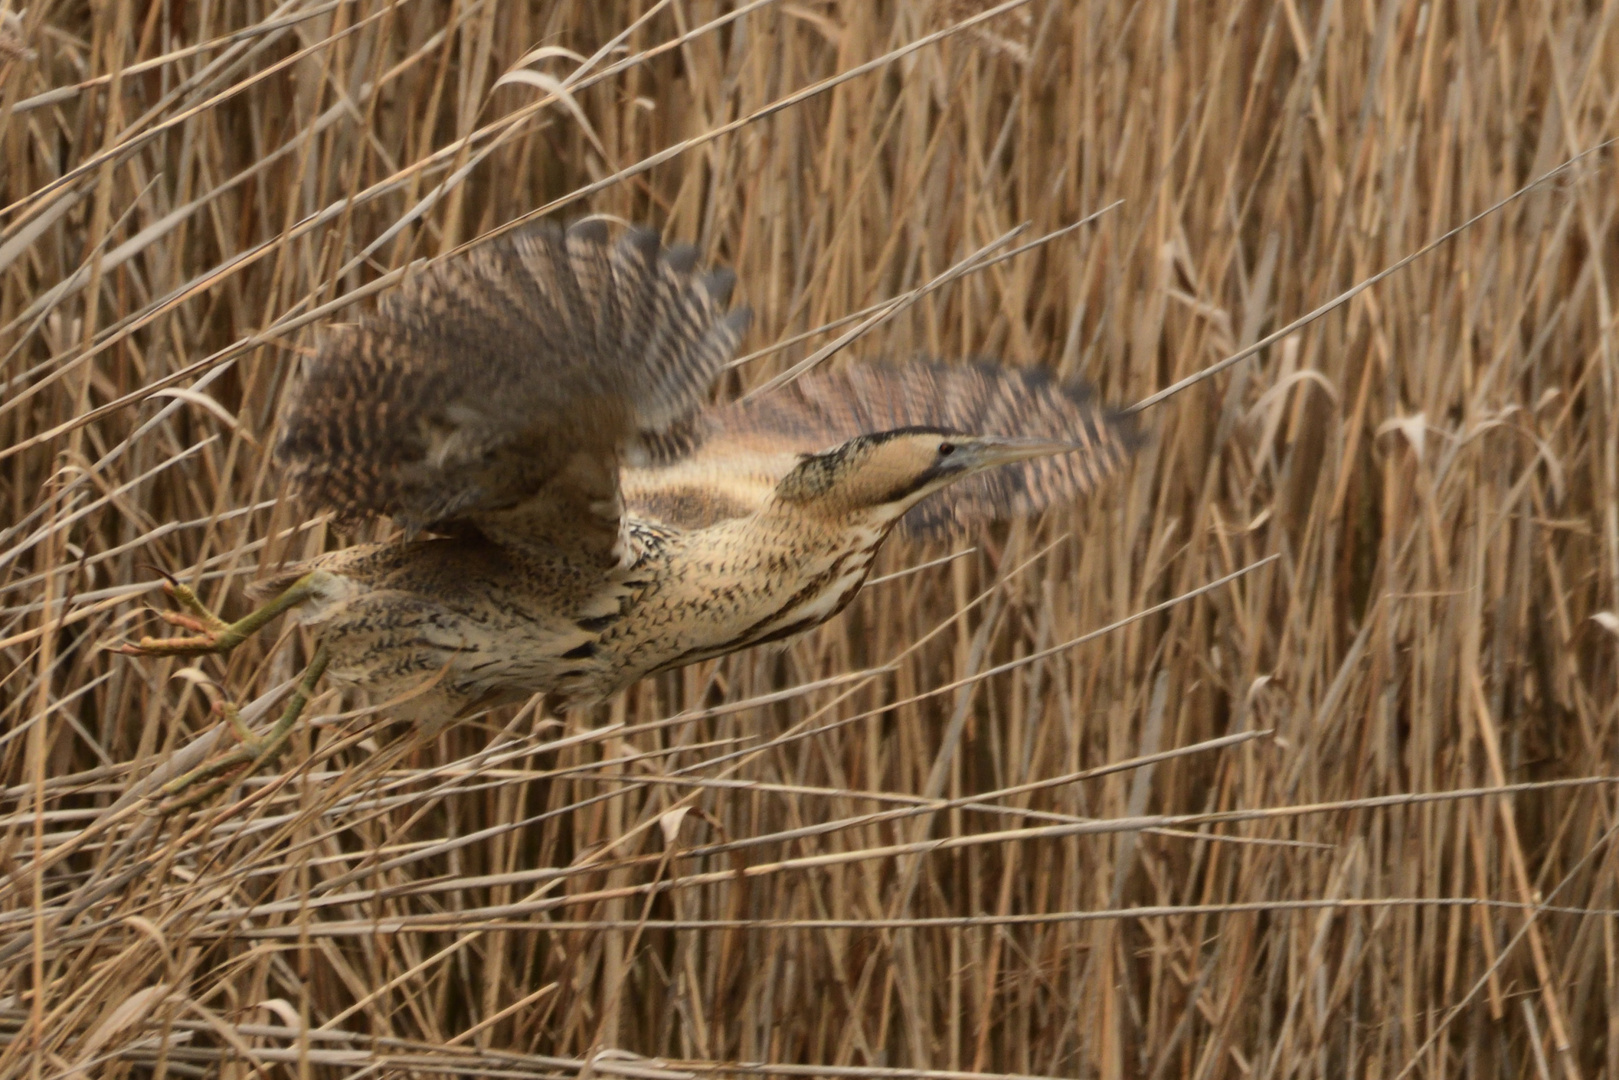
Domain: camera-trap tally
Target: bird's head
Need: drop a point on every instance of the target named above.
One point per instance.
(887, 473)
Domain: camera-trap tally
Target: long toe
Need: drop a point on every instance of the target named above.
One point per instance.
(186, 598)
(183, 791)
(175, 646)
(187, 622)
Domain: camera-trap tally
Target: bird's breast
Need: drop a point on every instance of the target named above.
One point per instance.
(819, 598)
(739, 585)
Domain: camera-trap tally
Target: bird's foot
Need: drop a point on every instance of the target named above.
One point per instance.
(252, 750)
(210, 633)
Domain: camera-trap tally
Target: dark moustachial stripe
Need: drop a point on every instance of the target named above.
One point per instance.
(912, 486)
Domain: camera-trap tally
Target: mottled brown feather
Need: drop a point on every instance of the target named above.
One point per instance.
(740, 450)
(542, 403)
(500, 391)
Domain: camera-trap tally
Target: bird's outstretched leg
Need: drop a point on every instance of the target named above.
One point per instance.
(211, 633)
(252, 750)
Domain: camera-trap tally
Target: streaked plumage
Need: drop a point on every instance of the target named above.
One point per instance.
(539, 407)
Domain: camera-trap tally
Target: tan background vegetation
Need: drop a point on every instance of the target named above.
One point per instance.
(191, 189)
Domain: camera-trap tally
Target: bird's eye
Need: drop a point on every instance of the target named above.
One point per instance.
(946, 449)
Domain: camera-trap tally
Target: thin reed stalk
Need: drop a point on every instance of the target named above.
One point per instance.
(1332, 795)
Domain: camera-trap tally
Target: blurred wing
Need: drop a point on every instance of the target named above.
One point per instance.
(739, 451)
(500, 391)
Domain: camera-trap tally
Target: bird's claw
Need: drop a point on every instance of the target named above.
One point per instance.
(175, 801)
(251, 751)
(210, 633)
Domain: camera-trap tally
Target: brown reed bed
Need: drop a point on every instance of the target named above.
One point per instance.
(1345, 814)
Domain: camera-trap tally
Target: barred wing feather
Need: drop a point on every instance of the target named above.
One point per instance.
(500, 392)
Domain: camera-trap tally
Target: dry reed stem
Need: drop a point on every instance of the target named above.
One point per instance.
(1333, 795)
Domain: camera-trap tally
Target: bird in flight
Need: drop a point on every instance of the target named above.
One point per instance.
(576, 515)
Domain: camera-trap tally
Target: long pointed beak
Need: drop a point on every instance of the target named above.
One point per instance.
(979, 452)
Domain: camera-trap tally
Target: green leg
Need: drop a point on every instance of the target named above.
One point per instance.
(252, 751)
(213, 634)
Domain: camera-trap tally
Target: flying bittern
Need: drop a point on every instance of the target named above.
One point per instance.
(539, 407)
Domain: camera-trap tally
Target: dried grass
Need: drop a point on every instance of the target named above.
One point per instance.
(1345, 814)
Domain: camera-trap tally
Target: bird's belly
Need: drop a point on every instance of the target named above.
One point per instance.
(434, 630)
(430, 654)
